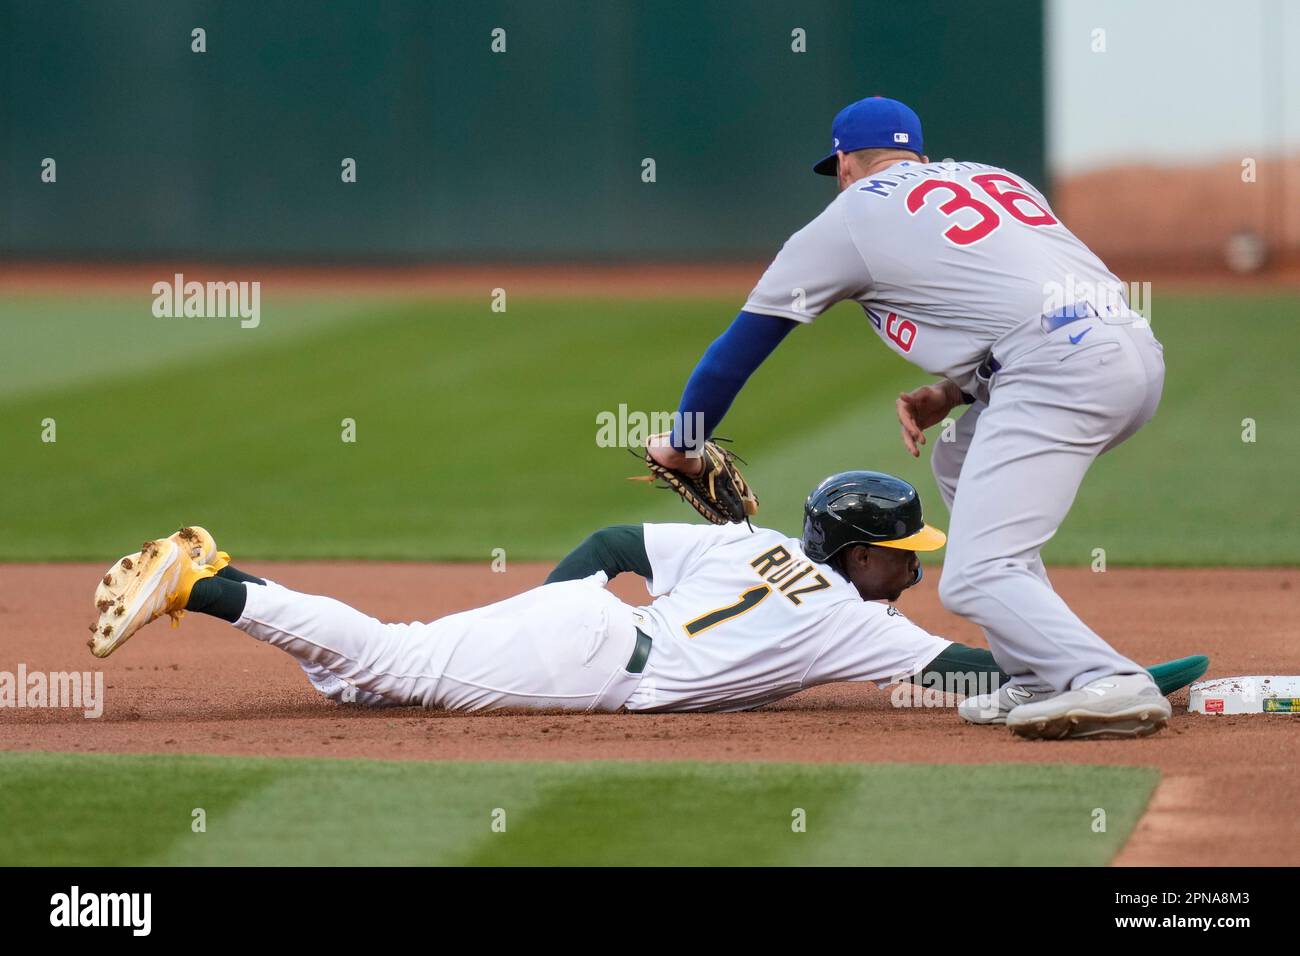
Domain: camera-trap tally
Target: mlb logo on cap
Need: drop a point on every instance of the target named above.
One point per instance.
(874, 123)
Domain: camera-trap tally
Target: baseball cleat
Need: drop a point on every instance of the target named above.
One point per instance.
(1122, 705)
(993, 708)
(154, 581)
(202, 547)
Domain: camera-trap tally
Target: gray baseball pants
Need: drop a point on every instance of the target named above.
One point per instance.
(1058, 401)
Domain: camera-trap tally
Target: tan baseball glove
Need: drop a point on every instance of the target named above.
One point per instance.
(719, 492)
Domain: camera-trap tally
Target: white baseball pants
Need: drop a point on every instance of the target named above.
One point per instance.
(563, 645)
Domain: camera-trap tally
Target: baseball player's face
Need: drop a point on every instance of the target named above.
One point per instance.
(881, 573)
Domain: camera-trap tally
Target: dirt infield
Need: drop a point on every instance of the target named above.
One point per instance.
(1227, 795)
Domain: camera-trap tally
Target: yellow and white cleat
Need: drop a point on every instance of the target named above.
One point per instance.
(154, 581)
(201, 546)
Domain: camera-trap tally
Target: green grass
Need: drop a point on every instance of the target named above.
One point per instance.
(72, 809)
(476, 430)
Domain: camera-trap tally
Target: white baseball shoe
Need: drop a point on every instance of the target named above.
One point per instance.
(993, 708)
(149, 583)
(1122, 705)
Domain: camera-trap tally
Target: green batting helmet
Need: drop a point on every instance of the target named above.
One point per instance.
(865, 507)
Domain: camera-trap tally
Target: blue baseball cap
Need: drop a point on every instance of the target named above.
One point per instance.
(874, 123)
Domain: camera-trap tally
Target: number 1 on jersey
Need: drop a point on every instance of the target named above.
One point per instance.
(748, 601)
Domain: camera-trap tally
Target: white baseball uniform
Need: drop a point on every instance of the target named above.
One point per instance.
(739, 619)
(964, 270)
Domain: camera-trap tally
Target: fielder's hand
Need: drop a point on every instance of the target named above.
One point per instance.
(659, 448)
(923, 407)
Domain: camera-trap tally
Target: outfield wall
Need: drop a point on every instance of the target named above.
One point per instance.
(462, 153)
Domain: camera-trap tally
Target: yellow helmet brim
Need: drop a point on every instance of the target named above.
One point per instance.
(927, 539)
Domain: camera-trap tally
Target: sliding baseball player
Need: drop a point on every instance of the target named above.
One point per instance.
(739, 618)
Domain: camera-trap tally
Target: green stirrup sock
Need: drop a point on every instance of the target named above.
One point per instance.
(219, 597)
(232, 573)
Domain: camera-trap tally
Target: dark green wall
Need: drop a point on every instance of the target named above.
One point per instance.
(466, 154)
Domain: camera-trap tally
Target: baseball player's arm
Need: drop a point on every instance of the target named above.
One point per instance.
(818, 266)
(926, 406)
(958, 660)
(722, 372)
(958, 663)
(613, 550)
(870, 642)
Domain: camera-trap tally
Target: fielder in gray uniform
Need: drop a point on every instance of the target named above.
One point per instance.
(963, 269)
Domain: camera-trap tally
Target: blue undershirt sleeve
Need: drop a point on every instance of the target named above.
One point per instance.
(722, 372)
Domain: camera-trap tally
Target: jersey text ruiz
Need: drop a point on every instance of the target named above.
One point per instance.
(792, 578)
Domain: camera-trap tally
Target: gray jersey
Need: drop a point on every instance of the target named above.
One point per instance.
(945, 258)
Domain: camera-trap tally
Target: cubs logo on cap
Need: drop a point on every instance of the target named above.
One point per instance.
(874, 123)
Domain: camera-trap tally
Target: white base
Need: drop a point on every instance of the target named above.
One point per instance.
(1246, 695)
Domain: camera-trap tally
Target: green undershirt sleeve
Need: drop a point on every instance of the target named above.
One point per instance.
(960, 660)
(613, 550)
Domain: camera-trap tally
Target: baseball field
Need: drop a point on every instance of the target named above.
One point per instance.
(413, 452)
